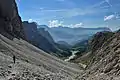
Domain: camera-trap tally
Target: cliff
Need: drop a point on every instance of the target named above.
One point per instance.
(10, 21)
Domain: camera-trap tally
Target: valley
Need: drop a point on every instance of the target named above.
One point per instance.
(72, 56)
(31, 51)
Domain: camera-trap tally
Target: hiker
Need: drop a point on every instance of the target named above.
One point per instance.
(14, 59)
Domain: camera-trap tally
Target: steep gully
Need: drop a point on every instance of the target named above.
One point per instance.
(72, 57)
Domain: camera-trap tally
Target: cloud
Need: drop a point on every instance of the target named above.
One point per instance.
(79, 25)
(52, 10)
(105, 7)
(108, 1)
(117, 16)
(30, 20)
(98, 4)
(55, 23)
(76, 25)
(74, 12)
(69, 12)
(110, 17)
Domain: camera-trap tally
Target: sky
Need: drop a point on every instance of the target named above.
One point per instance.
(71, 13)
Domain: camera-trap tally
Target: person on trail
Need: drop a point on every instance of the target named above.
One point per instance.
(14, 59)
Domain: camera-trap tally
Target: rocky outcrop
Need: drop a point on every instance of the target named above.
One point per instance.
(10, 21)
(98, 39)
(105, 63)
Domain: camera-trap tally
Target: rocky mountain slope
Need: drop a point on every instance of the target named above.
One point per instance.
(32, 63)
(104, 63)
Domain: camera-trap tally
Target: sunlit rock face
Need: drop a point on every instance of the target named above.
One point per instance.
(10, 21)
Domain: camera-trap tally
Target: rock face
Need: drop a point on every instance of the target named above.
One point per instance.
(99, 38)
(10, 21)
(105, 63)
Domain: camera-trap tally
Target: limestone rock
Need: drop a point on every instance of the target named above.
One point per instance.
(10, 21)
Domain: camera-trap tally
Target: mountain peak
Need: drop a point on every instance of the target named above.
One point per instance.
(10, 21)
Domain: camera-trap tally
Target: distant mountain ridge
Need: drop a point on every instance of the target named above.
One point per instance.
(72, 35)
(46, 34)
(41, 38)
(38, 38)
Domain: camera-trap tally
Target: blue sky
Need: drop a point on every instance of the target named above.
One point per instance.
(72, 13)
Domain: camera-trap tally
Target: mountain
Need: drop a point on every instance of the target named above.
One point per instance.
(72, 35)
(64, 43)
(10, 21)
(32, 63)
(103, 57)
(43, 26)
(46, 34)
(100, 62)
(41, 38)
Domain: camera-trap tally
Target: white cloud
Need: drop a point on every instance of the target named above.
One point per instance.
(30, 20)
(76, 25)
(108, 1)
(98, 4)
(55, 23)
(52, 10)
(110, 17)
(66, 12)
(118, 16)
